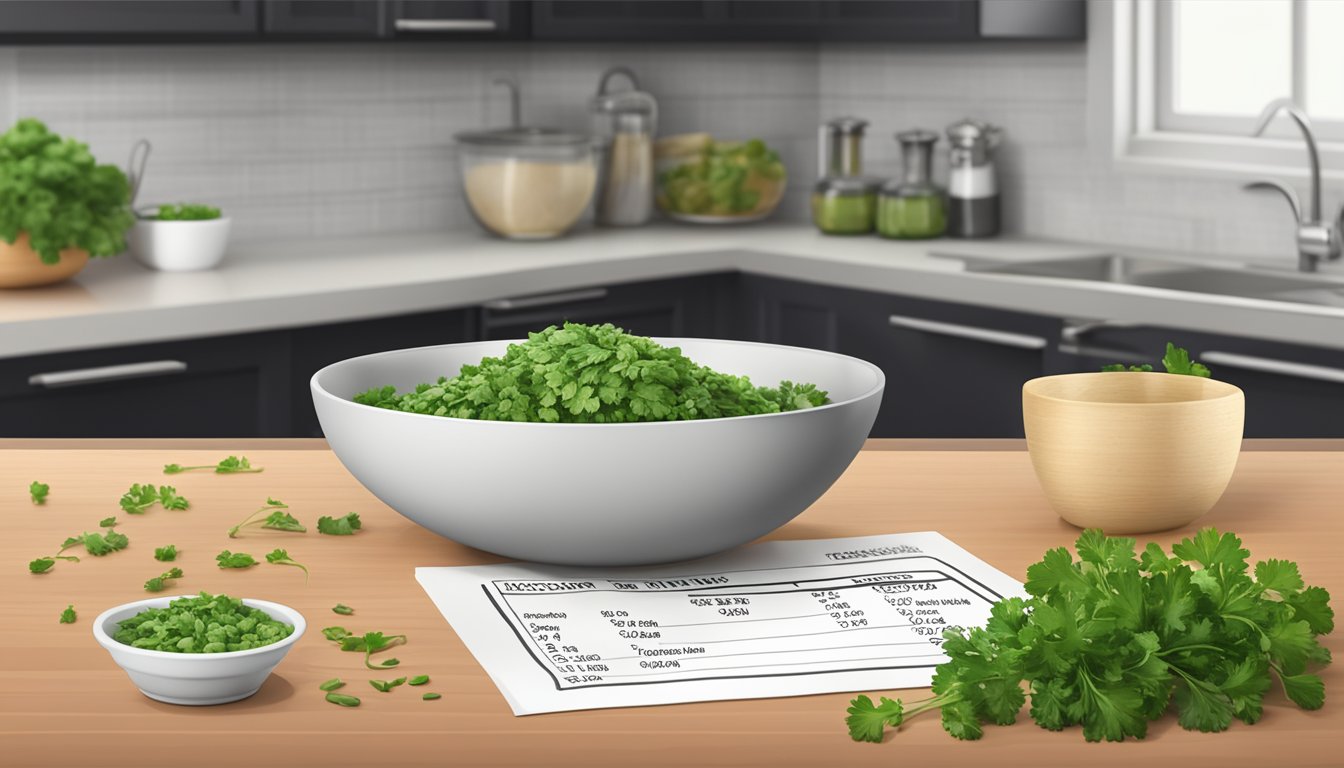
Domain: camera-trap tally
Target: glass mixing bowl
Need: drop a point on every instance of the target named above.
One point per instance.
(527, 183)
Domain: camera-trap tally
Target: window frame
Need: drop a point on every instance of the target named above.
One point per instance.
(1126, 64)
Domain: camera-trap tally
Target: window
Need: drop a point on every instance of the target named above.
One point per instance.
(1192, 76)
(1219, 62)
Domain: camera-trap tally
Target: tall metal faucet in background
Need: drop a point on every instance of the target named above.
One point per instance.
(1317, 240)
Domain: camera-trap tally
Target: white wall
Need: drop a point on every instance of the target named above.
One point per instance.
(297, 141)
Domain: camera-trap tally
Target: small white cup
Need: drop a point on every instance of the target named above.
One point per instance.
(196, 678)
(179, 246)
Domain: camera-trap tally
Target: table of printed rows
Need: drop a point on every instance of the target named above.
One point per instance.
(836, 617)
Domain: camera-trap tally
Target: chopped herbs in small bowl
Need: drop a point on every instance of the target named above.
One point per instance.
(180, 238)
(198, 649)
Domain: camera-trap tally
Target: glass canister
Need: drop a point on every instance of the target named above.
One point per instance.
(912, 207)
(844, 202)
(624, 123)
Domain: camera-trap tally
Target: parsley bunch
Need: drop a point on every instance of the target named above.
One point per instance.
(1112, 641)
(228, 466)
(53, 189)
(592, 374)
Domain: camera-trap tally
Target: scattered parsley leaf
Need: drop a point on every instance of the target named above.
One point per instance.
(38, 492)
(170, 500)
(335, 633)
(159, 583)
(108, 522)
(41, 564)
(276, 519)
(343, 700)
(339, 526)
(166, 554)
(231, 465)
(432, 696)
(386, 685)
(332, 684)
(342, 609)
(369, 642)
(140, 498)
(68, 615)
(227, 559)
(281, 557)
(867, 721)
(418, 680)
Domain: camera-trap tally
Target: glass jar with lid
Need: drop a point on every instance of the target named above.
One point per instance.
(913, 207)
(844, 201)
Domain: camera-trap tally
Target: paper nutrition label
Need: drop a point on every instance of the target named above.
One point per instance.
(780, 618)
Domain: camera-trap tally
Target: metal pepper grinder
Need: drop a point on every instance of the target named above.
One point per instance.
(972, 185)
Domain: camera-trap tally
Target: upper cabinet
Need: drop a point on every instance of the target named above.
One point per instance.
(128, 20)
(913, 21)
(917, 21)
(391, 19)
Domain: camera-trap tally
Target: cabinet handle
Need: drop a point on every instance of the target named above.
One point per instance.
(545, 300)
(83, 376)
(1001, 338)
(446, 25)
(1073, 331)
(1103, 353)
(1277, 367)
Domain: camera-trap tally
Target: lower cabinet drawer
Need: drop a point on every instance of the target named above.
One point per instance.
(226, 387)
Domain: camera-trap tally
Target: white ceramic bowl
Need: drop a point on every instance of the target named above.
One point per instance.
(179, 246)
(600, 494)
(196, 678)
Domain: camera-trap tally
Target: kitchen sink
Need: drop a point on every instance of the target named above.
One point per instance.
(1176, 276)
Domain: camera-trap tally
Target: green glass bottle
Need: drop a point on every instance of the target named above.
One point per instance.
(844, 202)
(912, 207)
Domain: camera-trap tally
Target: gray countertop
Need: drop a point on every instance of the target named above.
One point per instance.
(268, 286)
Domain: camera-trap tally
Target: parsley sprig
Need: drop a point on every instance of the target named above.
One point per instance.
(277, 519)
(281, 557)
(369, 642)
(1176, 360)
(345, 525)
(227, 559)
(230, 466)
(1112, 640)
(38, 492)
(139, 498)
(160, 582)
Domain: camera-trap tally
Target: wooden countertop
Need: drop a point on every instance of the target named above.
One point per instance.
(64, 702)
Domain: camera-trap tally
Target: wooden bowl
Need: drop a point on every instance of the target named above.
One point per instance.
(21, 267)
(1132, 452)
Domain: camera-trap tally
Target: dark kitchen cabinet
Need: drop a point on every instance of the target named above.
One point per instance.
(456, 19)
(324, 19)
(1292, 391)
(675, 20)
(917, 21)
(319, 346)
(127, 20)
(952, 370)
(236, 386)
(691, 306)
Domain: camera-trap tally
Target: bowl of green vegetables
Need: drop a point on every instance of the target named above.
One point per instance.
(703, 181)
(179, 238)
(585, 445)
(198, 649)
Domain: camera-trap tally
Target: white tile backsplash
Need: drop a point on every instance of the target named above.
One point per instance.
(317, 140)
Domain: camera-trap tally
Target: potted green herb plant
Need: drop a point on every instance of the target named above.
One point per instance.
(180, 238)
(58, 206)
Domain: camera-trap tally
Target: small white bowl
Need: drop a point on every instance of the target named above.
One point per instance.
(196, 678)
(179, 246)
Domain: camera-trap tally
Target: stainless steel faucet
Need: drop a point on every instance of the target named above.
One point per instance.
(1317, 240)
